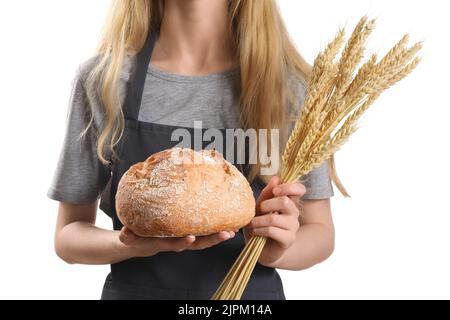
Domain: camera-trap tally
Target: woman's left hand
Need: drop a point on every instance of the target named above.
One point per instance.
(277, 219)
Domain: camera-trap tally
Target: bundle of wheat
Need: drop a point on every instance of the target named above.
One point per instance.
(338, 95)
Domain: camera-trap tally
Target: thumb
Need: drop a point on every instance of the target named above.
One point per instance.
(267, 193)
(126, 236)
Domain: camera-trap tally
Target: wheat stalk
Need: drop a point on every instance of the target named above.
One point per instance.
(321, 63)
(338, 96)
(352, 56)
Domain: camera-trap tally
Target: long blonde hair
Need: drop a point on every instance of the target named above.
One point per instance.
(265, 55)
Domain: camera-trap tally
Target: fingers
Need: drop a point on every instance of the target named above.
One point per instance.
(150, 246)
(295, 191)
(284, 238)
(285, 222)
(290, 190)
(126, 236)
(209, 241)
(192, 242)
(283, 205)
(174, 245)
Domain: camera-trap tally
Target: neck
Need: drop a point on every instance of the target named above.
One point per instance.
(194, 38)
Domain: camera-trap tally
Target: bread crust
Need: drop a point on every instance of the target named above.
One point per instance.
(181, 192)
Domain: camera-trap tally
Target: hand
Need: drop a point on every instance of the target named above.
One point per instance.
(277, 219)
(146, 247)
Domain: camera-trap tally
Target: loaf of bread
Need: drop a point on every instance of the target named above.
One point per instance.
(181, 192)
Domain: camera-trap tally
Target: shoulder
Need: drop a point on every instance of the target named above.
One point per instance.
(86, 93)
(298, 86)
(86, 67)
(297, 91)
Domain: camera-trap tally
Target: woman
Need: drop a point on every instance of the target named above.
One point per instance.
(162, 65)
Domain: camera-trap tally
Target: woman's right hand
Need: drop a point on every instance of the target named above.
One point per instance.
(147, 247)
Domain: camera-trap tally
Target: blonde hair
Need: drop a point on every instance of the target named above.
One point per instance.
(265, 55)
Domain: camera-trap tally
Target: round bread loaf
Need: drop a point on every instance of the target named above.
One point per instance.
(181, 192)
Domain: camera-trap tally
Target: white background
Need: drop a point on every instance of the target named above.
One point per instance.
(392, 236)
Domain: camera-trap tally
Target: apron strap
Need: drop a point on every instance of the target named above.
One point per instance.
(135, 86)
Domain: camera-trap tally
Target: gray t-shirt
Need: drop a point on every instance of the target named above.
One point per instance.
(168, 99)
